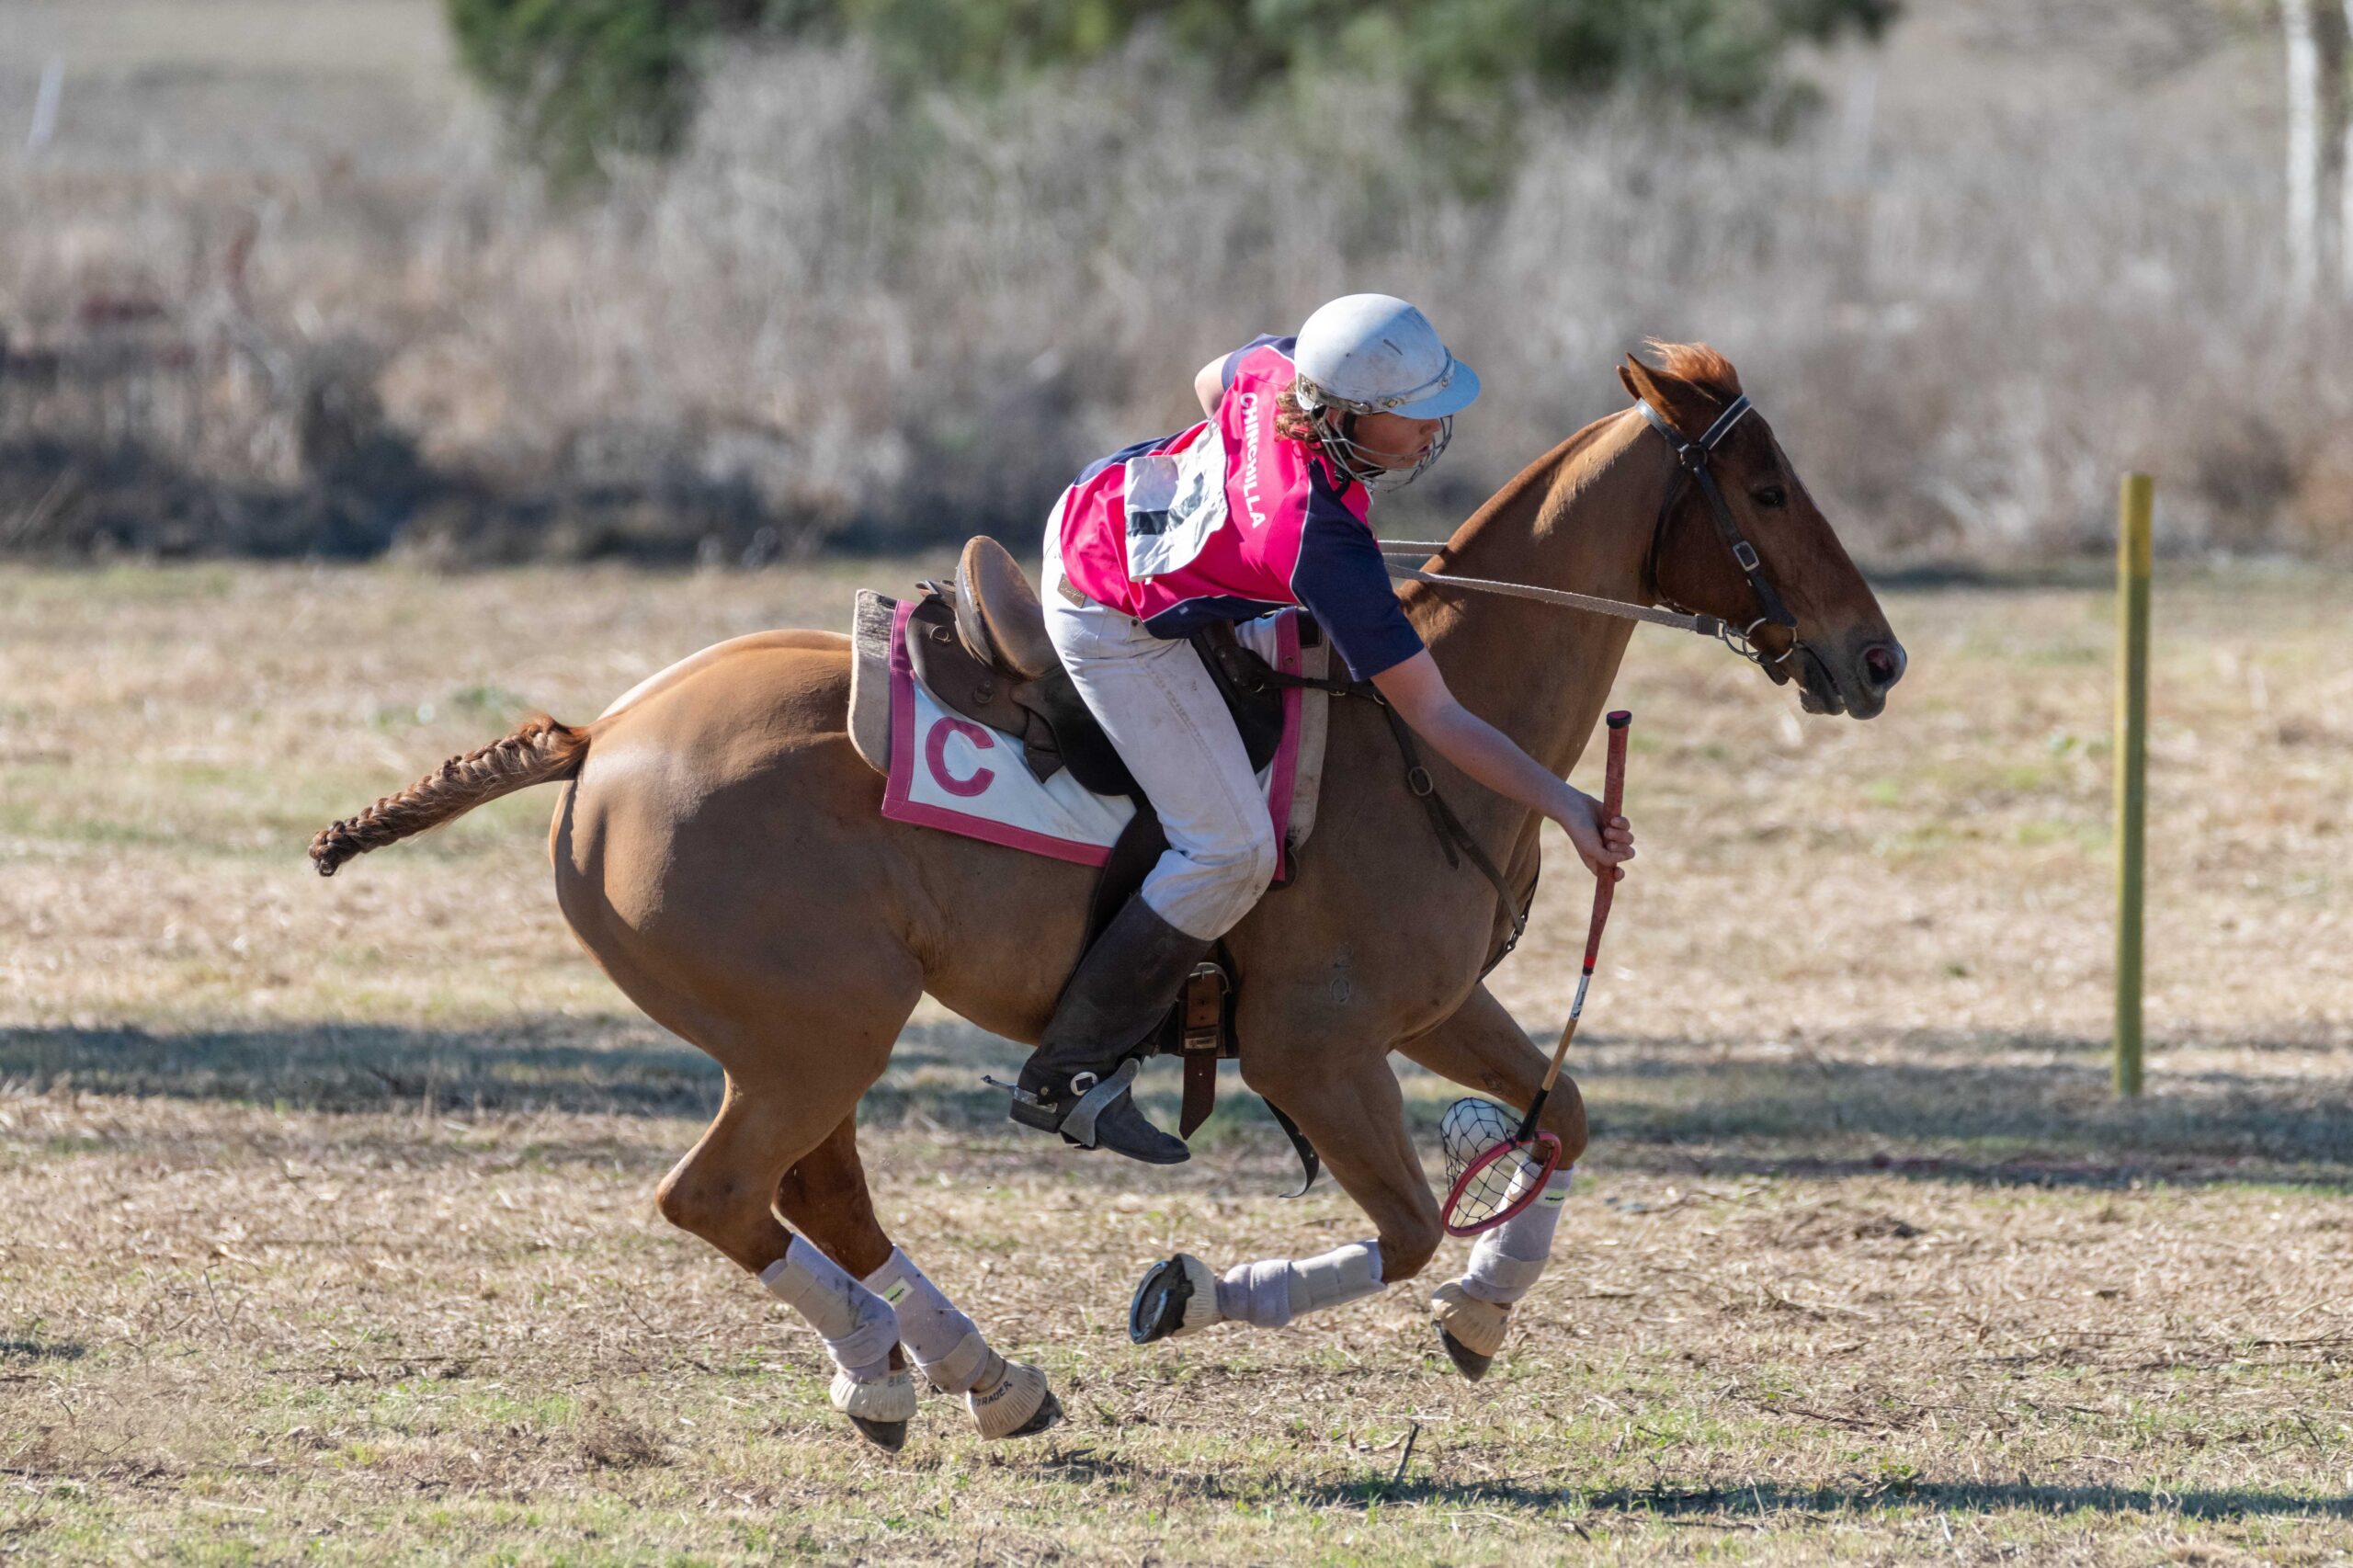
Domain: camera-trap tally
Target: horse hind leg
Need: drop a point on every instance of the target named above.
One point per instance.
(825, 1194)
(722, 1192)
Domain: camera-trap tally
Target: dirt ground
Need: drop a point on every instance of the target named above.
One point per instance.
(328, 1209)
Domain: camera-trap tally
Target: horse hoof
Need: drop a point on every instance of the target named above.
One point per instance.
(879, 1409)
(1048, 1413)
(1472, 1330)
(1467, 1361)
(1019, 1403)
(888, 1435)
(1178, 1296)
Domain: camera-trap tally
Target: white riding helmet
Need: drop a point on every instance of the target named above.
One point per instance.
(1376, 354)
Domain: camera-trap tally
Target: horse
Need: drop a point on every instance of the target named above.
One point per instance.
(720, 850)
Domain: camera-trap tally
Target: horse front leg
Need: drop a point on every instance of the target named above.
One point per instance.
(1350, 1108)
(826, 1197)
(1481, 1047)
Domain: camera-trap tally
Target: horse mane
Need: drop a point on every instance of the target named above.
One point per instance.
(1696, 363)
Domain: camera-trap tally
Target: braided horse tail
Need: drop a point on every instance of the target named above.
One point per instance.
(537, 753)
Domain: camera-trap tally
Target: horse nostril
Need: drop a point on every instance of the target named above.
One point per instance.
(1885, 664)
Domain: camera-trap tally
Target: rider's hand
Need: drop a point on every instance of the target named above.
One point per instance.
(1602, 845)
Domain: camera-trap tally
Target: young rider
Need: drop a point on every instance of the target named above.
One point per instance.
(1260, 506)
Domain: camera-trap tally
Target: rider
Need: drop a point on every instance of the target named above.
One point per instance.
(1260, 506)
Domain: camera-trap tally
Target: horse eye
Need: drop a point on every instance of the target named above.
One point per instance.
(1771, 496)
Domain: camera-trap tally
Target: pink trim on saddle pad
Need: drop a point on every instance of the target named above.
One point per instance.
(976, 784)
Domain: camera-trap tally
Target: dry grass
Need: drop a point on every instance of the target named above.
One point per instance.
(330, 1230)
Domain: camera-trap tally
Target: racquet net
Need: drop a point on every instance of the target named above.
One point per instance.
(1491, 1173)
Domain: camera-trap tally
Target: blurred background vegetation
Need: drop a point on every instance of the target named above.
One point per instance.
(578, 79)
(476, 280)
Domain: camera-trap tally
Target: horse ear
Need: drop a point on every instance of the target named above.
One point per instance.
(1683, 405)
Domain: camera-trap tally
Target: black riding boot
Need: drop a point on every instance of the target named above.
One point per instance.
(1077, 1082)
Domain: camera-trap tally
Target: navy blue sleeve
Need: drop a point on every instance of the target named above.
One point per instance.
(1233, 360)
(1341, 579)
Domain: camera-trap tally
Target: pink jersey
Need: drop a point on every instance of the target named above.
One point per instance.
(1227, 521)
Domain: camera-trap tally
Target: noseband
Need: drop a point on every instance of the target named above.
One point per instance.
(1691, 468)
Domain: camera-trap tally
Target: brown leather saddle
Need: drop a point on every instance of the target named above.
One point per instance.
(979, 645)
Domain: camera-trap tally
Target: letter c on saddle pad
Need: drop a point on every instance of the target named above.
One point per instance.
(935, 756)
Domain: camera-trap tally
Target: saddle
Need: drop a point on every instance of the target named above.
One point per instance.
(979, 645)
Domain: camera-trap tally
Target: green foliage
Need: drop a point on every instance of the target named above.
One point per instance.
(580, 78)
(579, 75)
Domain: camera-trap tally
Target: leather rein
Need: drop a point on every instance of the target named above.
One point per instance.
(1691, 468)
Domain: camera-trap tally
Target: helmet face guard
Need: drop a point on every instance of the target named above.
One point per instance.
(1329, 416)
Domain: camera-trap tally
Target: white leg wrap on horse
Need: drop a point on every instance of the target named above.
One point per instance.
(1506, 1262)
(1002, 1395)
(945, 1343)
(1270, 1293)
(858, 1326)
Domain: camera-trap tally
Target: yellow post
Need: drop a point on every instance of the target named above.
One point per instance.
(2133, 558)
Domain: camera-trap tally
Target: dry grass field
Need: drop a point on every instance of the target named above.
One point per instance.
(328, 1228)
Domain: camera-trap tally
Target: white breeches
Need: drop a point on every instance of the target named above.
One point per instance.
(1164, 713)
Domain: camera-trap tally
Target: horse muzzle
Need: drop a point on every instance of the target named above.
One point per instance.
(1854, 679)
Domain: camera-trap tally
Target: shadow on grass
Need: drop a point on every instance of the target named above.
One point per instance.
(2008, 1110)
(1741, 1504)
(607, 1066)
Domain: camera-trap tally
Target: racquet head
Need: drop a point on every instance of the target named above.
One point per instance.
(1491, 1173)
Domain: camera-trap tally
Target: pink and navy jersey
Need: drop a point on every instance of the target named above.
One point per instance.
(1227, 521)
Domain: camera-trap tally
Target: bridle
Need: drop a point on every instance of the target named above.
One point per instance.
(1691, 466)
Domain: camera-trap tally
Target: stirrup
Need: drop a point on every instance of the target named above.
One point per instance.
(1075, 1120)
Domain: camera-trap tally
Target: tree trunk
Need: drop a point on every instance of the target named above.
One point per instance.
(2340, 66)
(2303, 149)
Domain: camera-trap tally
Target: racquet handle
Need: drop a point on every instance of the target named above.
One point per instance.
(1613, 796)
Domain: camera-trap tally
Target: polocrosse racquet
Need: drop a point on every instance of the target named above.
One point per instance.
(1494, 1171)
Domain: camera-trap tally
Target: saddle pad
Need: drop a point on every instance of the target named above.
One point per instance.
(945, 771)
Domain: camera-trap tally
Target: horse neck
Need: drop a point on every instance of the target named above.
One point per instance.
(1579, 519)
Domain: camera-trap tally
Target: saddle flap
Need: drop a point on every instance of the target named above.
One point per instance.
(949, 671)
(997, 612)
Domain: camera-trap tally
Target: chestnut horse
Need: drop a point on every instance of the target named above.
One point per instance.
(720, 849)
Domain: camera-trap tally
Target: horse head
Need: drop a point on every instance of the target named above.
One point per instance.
(1739, 538)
